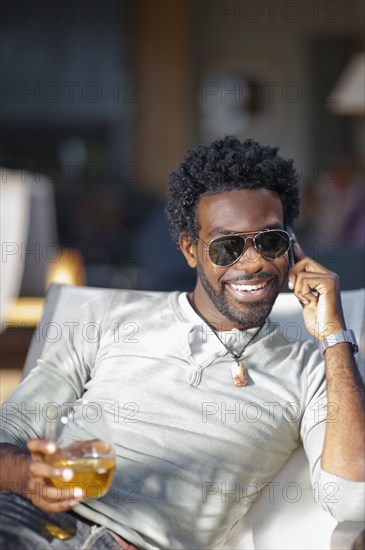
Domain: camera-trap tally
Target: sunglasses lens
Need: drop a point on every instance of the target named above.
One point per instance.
(226, 250)
(273, 244)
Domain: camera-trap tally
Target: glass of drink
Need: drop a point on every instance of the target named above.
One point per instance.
(84, 445)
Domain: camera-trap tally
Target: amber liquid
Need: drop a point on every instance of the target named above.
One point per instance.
(92, 475)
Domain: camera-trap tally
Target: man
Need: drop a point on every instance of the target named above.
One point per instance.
(230, 206)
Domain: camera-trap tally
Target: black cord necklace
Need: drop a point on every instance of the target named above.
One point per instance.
(238, 370)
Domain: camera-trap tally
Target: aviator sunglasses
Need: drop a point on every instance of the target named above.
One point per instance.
(272, 244)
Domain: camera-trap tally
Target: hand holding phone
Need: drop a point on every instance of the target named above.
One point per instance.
(292, 257)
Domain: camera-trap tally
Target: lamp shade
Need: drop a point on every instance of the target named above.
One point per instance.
(348, 95)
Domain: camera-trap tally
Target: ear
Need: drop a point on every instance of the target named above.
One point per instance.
(189, 249)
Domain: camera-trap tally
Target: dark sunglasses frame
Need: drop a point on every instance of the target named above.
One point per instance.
(244, 238)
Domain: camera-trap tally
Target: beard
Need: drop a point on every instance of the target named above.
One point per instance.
(247, 314)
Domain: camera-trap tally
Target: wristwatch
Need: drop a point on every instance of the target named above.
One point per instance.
(337, 338)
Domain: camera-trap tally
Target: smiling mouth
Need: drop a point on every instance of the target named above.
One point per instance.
(248, 288)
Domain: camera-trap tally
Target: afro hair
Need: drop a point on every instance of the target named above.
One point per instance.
(227, 165)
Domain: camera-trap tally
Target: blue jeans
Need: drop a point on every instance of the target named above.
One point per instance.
(23, 526)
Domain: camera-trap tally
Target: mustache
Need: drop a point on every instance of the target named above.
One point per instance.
(263, 275)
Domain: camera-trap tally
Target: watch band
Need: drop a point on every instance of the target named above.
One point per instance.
(338, 338)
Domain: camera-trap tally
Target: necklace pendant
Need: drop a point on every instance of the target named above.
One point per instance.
(239, 374)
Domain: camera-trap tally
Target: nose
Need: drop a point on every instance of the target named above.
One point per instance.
(250, 257)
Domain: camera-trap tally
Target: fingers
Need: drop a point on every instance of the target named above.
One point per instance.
(318, 290)
(41, 469)
(309, 280)
(41, 447)
(101, 446)
(45, 446)
(307, 275)
(51, 492)
(40, 490)
(55, 507)
(52, 499)
(306, 264)
(308, 286)
(304, 291)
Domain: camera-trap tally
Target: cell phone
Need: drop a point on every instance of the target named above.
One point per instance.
(291, 254)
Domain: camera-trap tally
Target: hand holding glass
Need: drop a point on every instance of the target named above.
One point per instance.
(83, 446)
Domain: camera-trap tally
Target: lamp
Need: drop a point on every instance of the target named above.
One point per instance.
(348, 95)
(69, 269)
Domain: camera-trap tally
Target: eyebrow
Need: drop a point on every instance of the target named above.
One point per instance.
(221, 231)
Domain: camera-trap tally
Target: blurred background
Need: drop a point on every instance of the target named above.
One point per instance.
(101, 99)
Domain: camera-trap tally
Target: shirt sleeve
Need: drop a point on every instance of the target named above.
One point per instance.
(59, 376)
(342, 498)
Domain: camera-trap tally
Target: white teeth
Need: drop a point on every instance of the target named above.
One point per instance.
(249, 287)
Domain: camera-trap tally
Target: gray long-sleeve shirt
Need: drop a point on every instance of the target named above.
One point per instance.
(193, 450)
